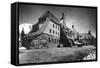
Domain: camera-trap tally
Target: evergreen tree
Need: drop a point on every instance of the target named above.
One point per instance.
(22, 36)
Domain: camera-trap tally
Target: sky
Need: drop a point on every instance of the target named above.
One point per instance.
(83, 19)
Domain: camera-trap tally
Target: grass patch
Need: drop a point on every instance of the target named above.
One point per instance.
(54, 55)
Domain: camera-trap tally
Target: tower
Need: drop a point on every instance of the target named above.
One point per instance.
(62, 20)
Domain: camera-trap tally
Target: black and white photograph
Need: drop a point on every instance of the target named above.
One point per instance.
(52, 33)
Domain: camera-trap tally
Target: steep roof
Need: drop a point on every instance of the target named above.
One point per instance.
(86, 35)
(49, 15)
(39, 31)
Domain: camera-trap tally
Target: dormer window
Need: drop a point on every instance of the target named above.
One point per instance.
(42, 19)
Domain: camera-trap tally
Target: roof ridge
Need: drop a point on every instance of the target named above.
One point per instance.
(48, 13)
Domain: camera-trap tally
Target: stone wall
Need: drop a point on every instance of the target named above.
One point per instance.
(44, 41)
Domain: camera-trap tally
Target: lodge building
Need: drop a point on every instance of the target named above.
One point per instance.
(49, 31)
(46, 30)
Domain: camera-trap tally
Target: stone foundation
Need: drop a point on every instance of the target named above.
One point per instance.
(43, 41)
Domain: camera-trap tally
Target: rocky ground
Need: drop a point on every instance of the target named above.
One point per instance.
(57, 54)
(90, 56)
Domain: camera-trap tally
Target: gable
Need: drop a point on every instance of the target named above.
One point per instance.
(49, 15)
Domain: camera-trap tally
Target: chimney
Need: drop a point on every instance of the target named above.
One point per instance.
(89, 32)
(62, 20)
(72, 26)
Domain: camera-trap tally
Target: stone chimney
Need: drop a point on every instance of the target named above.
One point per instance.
(73, 29)
(89, 32)
(72, 26)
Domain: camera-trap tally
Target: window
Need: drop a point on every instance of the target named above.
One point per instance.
(56, 26)
(42, 19)
(50, 30)
(52, 40)
(53, 31)
(56, 32)
(49, 39)
(57, 40)
(53, 25)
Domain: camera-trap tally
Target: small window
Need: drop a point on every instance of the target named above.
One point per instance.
(42, 19)
(53, 31)
(56, 26)
(52, 40)
(57, 41)
(53, 25)
(49, 39)
(56, 33)
(50, 30)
